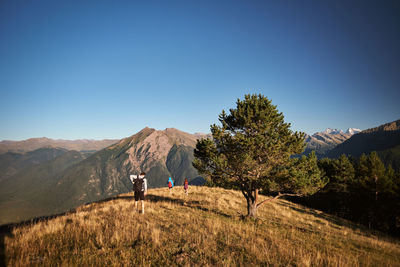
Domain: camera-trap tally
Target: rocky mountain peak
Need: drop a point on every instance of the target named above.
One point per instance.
(328, 139)
(352, 131)
(149, 146)
(332, 131)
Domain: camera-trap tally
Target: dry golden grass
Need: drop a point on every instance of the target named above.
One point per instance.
(202, 229)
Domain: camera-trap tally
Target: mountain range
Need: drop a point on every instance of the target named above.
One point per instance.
(321, 142)
(36, 143)
(44, 189)
(28, 193)
(384, 139)
(11, 163)
(53, 180)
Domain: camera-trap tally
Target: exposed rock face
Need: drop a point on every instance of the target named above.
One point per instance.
(321, 142)
(155, 147)
(391, 126)
(148, 147)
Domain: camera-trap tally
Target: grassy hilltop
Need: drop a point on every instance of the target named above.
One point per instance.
(204, 228)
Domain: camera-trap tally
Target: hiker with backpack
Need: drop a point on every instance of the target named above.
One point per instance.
(140, 189)
(186, 186)
(170, 183)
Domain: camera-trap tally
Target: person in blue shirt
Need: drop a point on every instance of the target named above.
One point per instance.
(170, 183)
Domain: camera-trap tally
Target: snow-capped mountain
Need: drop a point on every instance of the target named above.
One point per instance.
(353, 131)
(336, 131)
(323, 141)
(331, 131)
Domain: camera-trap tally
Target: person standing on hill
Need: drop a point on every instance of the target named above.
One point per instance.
(170, 183)
(140, 189)
(186, 186)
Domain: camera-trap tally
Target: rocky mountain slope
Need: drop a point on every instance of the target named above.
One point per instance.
(158, 153)
(36, 143)
(385, 139)
(387, 127)
(321, 142)
(105, 173)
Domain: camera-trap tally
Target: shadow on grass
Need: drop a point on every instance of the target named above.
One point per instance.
(191, 204)
(330, 218)
(7, 228)
(130, 197)
(4, 231)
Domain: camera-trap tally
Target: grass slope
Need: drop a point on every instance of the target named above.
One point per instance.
(202, 229)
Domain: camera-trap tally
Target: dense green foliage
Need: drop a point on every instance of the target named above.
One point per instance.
(391, 157)
(251, 150)
(363, 190)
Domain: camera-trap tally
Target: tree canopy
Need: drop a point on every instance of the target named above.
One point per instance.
(251, 150)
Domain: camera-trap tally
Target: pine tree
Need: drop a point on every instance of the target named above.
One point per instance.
(372, 175)
(305, 178)
(342, 175)
(373, 188)
(251, 150)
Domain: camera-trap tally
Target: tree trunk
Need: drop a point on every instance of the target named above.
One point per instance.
(252, 204)
(252, 209)
(251, 198)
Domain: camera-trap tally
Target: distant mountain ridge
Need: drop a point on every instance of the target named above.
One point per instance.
(106, 173)
(11, 163)
(336, 131)
(385, 139)
(321, 142)
(36, 143)
(71, 179)
(391, 126)
(25, 194)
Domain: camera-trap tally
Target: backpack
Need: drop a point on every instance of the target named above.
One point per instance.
(169, 184)
(138, 185)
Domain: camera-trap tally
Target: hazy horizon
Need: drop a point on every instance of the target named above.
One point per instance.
(119, 138)
(105, 70)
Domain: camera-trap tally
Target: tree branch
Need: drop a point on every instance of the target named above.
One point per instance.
(245, 194)
(276, 197)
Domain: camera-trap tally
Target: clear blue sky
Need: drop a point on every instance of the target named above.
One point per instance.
(106, 69)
